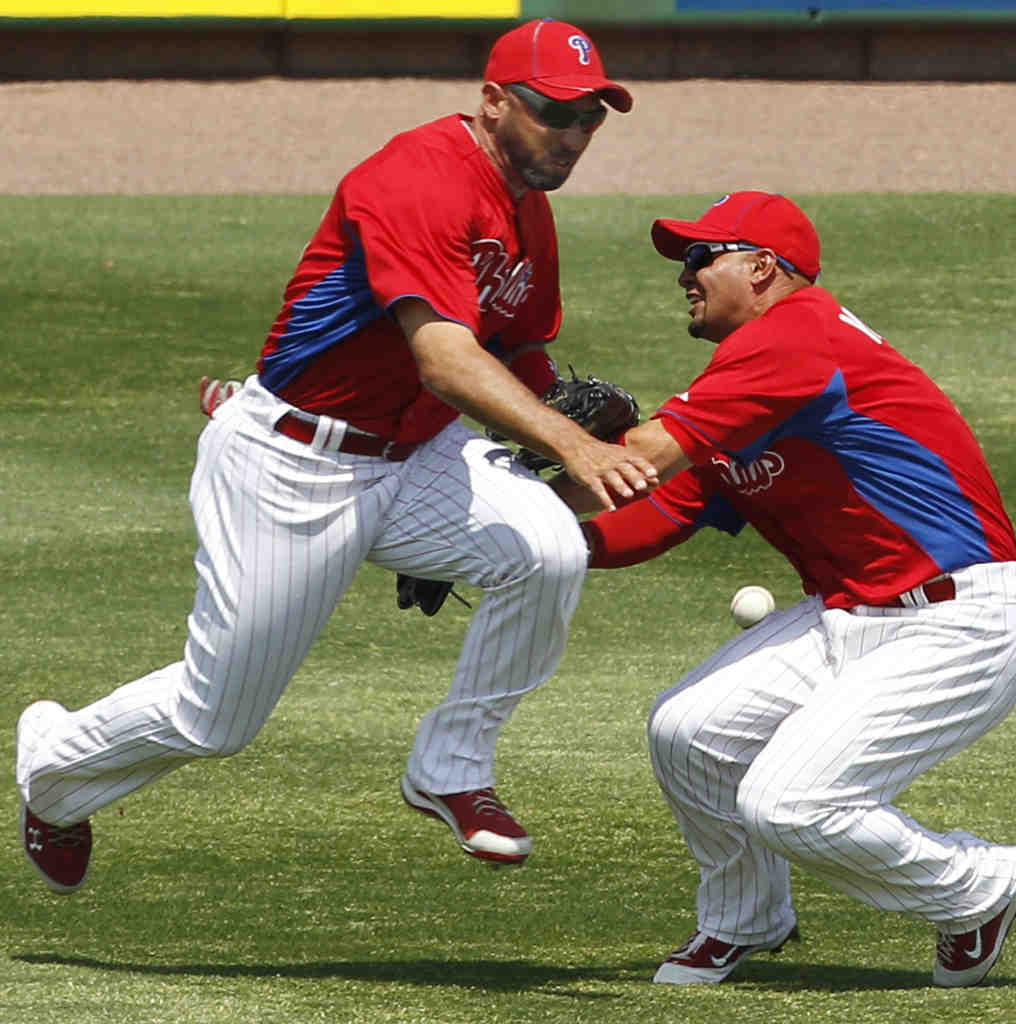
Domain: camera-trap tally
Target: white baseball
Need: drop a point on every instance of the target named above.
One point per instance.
(750, 605)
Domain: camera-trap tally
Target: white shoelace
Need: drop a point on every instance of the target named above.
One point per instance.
(484, 802)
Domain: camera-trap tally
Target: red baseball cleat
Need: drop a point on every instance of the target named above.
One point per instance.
(59, 854)
(965, 959)
(705, 960)
(482, 824)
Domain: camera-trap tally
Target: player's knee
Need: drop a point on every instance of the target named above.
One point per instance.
(226, 747)
(210, 737)
(213, 745)
(657, 730)
(782, 820)
(546, 556)
(758, 811)
(660, 746)
(566, 562)
(670, 729)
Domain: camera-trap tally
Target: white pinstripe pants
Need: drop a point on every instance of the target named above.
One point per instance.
(791, 742)
(283, 529)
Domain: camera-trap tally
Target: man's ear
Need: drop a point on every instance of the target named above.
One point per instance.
(495, 100)
(763, 266)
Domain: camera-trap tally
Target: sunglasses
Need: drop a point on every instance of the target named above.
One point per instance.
(555, 114)
(701, 254)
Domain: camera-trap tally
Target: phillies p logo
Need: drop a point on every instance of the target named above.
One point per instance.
(582, 46)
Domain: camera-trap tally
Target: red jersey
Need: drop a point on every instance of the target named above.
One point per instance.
(843, 455)
(427, 216)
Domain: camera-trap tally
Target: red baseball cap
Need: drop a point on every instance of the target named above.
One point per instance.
(557, 60)
(764, 219)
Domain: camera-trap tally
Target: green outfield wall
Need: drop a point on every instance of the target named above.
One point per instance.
(878, 40)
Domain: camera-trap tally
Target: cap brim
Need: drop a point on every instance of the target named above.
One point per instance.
(672, 237)
(564, 89)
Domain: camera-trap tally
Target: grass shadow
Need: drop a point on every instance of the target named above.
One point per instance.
(519, 975)
(491, 975)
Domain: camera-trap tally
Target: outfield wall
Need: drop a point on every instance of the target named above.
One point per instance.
(863, 40)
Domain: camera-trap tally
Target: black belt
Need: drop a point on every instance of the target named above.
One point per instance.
(355, 444)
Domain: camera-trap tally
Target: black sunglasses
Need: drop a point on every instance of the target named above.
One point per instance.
(555, 114)
(701, 254)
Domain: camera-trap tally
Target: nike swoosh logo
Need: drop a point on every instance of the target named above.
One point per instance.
(975, 951)
(722, 961)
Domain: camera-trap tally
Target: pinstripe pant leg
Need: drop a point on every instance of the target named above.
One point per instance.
(912, 687)
(281, 536)
(466, 513)
(704, 733)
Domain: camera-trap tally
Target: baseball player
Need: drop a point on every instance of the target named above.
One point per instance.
(791, 742)
(429, 289)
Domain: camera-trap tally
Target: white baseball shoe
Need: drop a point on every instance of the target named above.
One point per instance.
(705, 960)
(484, 827)
(965, 959)
(60, 854)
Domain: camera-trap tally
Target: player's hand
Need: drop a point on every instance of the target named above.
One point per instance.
(605, 472)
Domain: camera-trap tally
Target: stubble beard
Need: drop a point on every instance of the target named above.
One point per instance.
(541, 178)
(544, 180)
(700, 329)
(535, 176)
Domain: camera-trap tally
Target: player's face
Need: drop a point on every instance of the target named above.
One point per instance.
(539, 153)
(720, 292)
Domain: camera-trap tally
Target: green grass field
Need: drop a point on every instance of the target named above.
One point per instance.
(289, 883)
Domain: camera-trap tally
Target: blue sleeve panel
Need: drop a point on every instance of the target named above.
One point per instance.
(902, 479)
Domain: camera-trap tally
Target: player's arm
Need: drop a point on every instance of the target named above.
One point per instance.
(530, 362)
(649, 441)
(650, 525)
(632, 534)
(454, 367)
